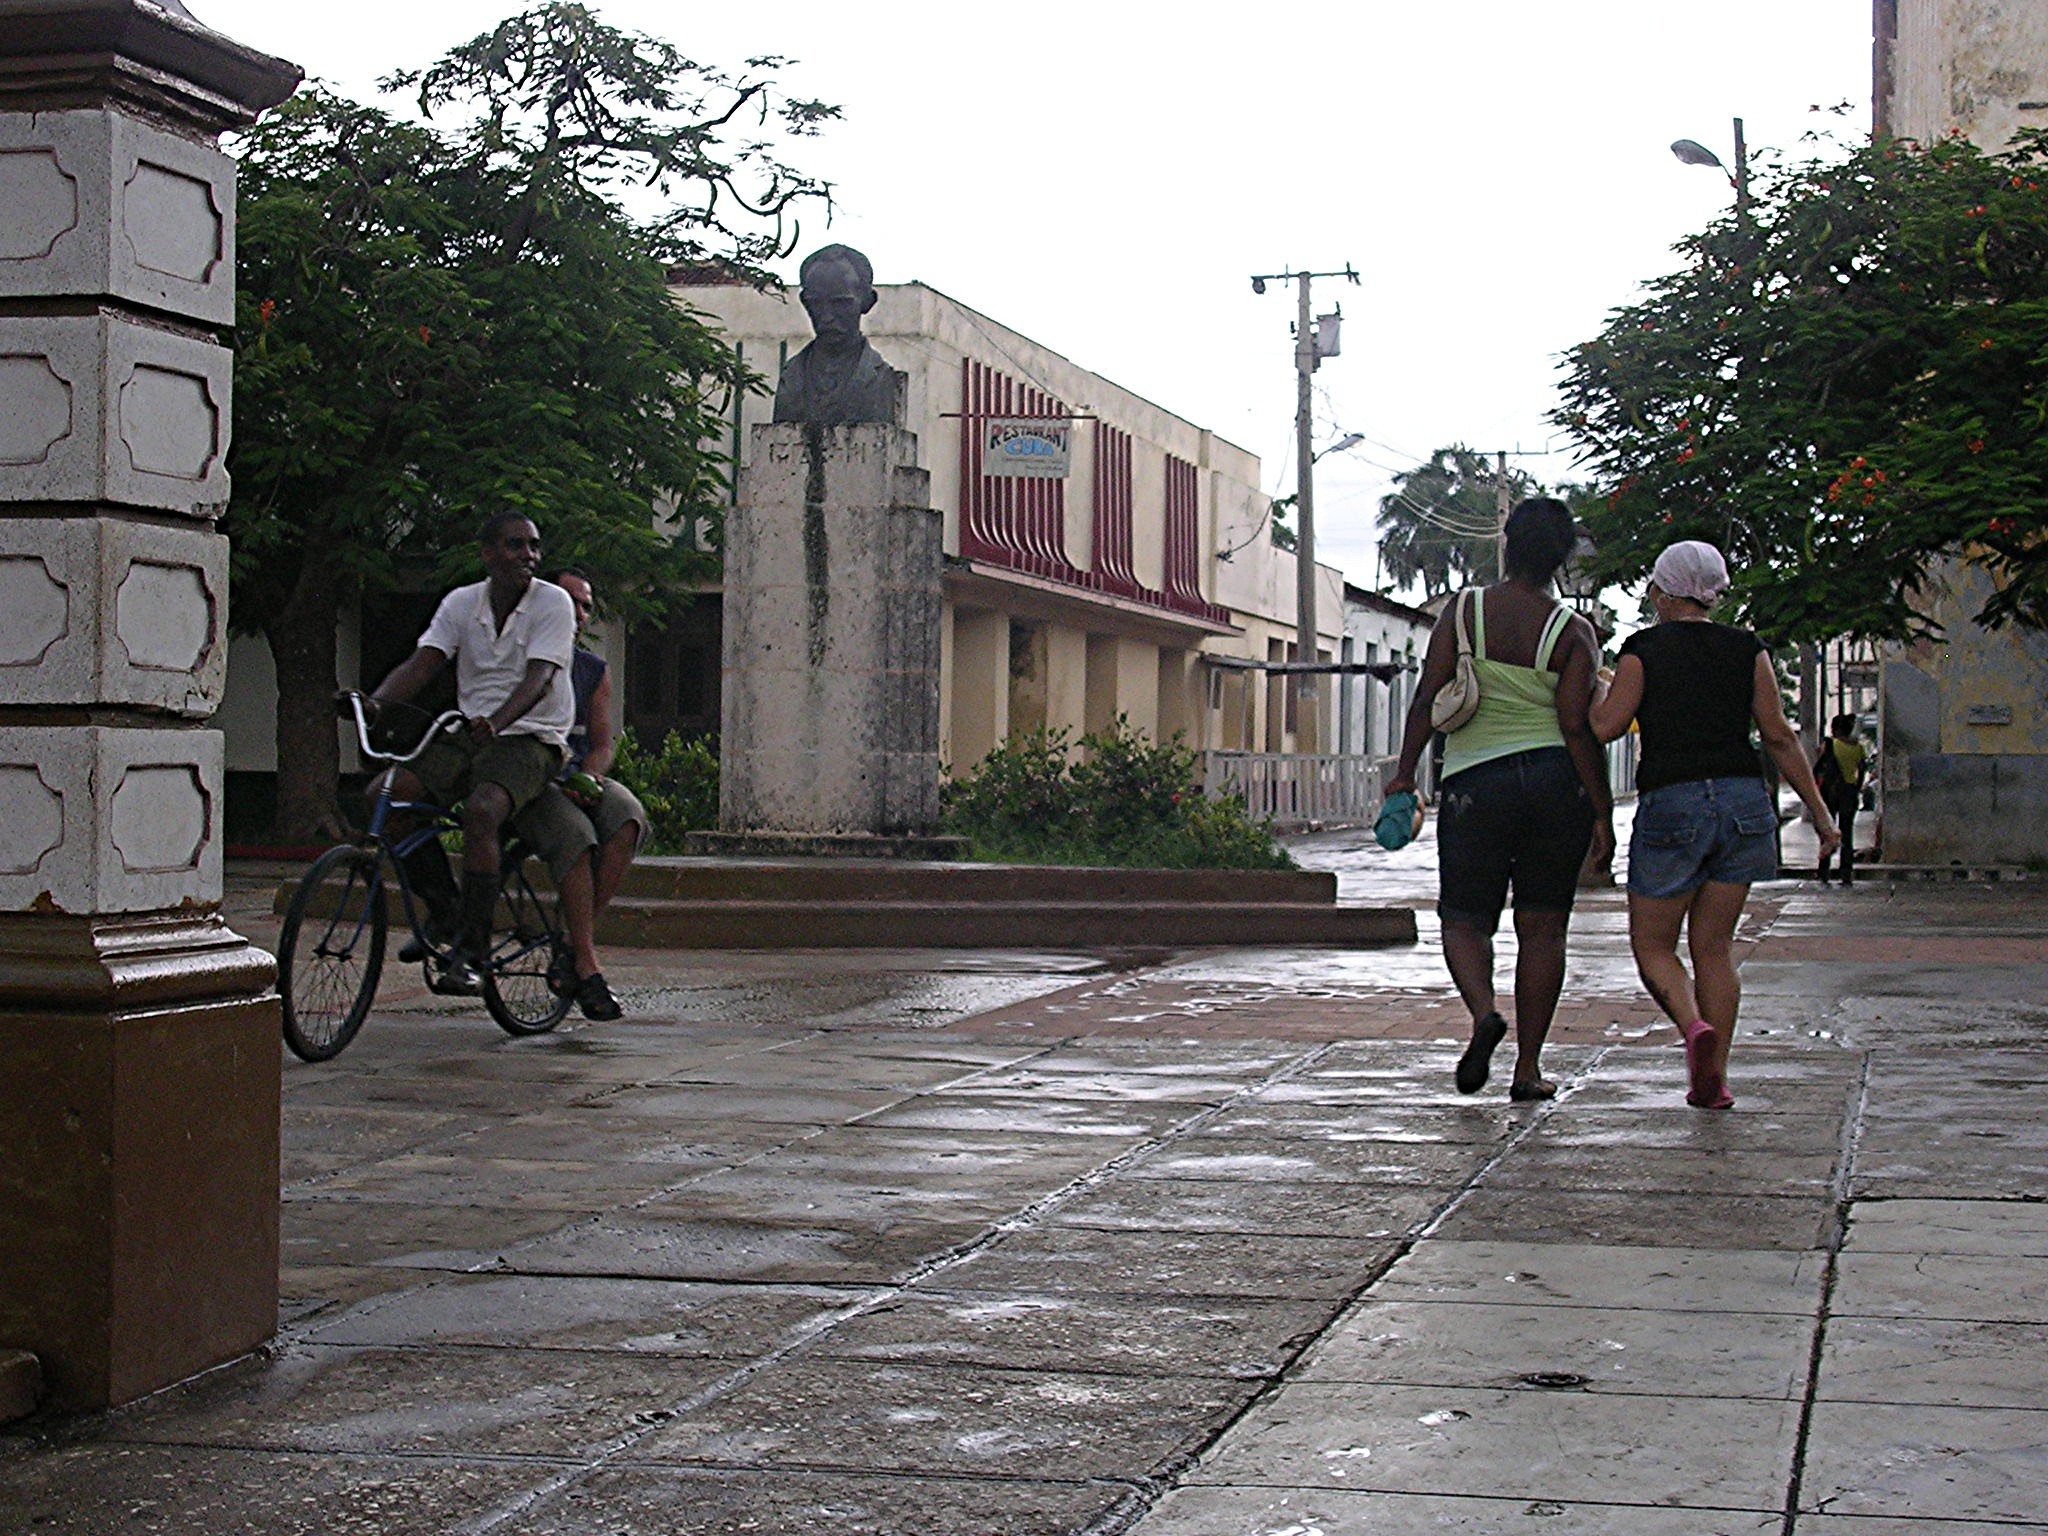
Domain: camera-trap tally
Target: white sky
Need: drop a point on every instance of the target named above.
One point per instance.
(1105, 178)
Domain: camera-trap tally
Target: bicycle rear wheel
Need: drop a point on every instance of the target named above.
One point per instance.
(330, 952)
(524, 986)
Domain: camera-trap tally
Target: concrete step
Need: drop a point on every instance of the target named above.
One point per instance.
(687, 879)
(753, 924)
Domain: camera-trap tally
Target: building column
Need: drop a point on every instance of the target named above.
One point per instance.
(981, 685)
(138, 1035)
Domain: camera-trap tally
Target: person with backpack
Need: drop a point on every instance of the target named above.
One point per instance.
(1839, 770)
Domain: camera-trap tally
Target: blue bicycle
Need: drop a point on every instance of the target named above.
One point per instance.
(330, 953)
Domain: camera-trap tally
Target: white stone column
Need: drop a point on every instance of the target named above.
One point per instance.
(830, 723)
(138, 1034)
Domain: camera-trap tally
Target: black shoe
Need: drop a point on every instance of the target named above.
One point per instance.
(420, 944)
(455, 977)
(1477, 1062)
(596, 1000)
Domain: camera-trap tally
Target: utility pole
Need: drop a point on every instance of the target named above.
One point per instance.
(1307, 720)
(1500, 515)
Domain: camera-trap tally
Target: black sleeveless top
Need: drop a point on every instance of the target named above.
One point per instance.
(1699, 681)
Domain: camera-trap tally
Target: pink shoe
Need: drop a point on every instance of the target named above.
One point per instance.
(1706, 1090)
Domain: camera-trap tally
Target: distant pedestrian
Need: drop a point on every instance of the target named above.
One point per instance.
(1839, 770)
(1705, 826)
(1523, 793)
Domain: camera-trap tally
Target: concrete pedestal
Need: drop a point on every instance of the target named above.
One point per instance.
(832, 617)
(138, 1036)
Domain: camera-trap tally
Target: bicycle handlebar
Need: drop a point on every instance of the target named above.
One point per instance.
(447, 720)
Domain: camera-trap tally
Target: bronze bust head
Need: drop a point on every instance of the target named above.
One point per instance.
(839, 378)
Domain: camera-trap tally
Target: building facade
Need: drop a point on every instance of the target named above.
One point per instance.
(1070, 601)
(1963, 731)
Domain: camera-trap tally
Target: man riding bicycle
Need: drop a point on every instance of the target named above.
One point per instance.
(511, 638)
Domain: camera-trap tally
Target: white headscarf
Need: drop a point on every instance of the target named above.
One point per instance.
(1692, 570)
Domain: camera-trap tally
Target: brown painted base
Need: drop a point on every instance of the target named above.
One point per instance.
(820, 845)
(139, 1062)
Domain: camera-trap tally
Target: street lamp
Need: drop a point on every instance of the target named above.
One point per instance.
(1343, 444)
(1693, 152)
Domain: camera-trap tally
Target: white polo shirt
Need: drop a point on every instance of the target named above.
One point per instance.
(490, 663)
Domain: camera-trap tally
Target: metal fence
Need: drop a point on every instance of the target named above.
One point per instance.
(1293, 790)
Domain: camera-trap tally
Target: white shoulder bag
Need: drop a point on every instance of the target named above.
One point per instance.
(1458, 700)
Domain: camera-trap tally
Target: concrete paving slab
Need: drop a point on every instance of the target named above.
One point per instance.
(1934, 1463)
(1934, 1360)
(1904, 1168)
(1860, 1525)
(1463, 1344)
(633, 1246)
(362, 1232)
(1996, 1228)
(1243, 1205)
(818, 1061)
(1595, 1275)
(1690, 1452)
(761, 1104)
(1664, 1170)
(1665, 1093)
(573, 1132)
(1475, 1122)
(847, 1197)
(498, 1402)
(993, 1156)
(1257, 1511)
(649, 1317)
(1045, 1331)
(1136, 1262)
(1508, 1213)
(320, 1290)
(1581, 1125)
(678, 1501)
(176, 1490)
(860, 1415)
(1975, 1287)
(1115, 1086)
(1033, 1114)
(1240, 1060)
(461, 1178)
(1313, 1160)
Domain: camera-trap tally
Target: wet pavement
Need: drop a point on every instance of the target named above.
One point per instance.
(1002, 1244)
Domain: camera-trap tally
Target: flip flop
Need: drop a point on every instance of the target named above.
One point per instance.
(1700, 1041)
(1477, 1062)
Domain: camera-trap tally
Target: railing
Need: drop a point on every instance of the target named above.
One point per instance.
(1294, 790)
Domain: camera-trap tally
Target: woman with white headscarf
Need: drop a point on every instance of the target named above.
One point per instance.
(1705, 825)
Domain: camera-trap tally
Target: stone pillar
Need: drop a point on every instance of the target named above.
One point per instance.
(830, 728)
(138, 1035)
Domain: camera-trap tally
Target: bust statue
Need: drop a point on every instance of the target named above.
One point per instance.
(840, 377)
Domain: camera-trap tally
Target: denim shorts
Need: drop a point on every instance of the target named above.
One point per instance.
(1522, 820)
(1724, 830)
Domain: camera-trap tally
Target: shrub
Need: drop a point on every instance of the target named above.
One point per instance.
(1125, 802)
(678, 785)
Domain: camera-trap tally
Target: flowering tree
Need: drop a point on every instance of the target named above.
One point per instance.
(1841, 387)
(444, 320)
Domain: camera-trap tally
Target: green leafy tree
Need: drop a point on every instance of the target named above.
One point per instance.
(1438, 526)
(443, 320)
(1841, 388)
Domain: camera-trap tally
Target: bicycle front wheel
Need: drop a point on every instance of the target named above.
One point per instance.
(330, 952)
(527, 982)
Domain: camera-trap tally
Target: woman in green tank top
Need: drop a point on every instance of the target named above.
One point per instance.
(1524, 794)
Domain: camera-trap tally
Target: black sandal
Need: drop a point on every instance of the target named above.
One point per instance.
(1477, 1062)
(1531, 1093)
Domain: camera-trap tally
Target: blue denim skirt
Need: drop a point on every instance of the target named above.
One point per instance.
(1724, 830)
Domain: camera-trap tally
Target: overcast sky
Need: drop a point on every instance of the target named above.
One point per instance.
(1105, 179)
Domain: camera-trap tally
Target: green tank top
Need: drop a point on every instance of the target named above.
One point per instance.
(1517, 705)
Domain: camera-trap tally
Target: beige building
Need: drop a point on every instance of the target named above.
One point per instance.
(1963, 727)
(1069, 601)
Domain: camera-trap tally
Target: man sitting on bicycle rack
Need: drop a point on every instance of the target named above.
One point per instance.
(511, 638)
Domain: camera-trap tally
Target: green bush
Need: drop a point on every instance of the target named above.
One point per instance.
(1125, 802)
(678, 785)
